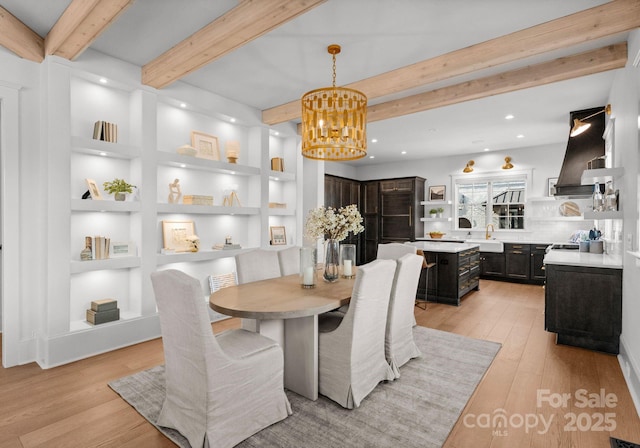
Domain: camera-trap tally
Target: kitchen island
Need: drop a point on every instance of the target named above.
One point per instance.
(455, 271)
(583, 299)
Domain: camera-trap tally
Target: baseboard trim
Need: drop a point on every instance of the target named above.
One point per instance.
(631, 372)
(70, 347)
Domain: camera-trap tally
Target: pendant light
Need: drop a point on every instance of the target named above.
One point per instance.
(334, 121)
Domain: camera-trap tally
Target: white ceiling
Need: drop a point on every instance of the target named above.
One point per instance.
(376, 36)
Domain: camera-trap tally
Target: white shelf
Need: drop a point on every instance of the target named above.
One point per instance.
(281, 212)
(557, 218)
(601, 175)
(435, 219)
(207, 209)
(435, 202)
(87, 205)
(80, 325)
(109, 263)
(203, 255)
(214, 166)
(282, 176)
(90, 146)
(603, 215)
(543, 199)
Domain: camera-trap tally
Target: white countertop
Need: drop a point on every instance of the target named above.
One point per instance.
(586, 259)
(442, 246)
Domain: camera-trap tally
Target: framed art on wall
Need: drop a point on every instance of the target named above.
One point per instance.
(278, 235)
(206, 145)
(122, 249)
(436, 193)
(175, 233)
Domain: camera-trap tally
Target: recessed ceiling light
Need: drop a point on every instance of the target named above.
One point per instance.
(233, 172)
(276, 178)
(374, 140)
(276, 133)
(103, 154)
(182, 165)
(509, 117)
(372, 157)
(103, 80)
(403, 152)
(183, 105)
(519, 136)
(487, 149)
(232, 120)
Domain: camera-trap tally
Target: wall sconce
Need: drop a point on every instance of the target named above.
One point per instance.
(468, 168)
(579, 126)
(507, 163)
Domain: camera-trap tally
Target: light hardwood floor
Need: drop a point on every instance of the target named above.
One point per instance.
(72, 406)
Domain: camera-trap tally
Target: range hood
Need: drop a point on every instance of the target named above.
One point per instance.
(580, 150)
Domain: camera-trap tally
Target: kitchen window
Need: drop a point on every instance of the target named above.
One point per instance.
(499, 201)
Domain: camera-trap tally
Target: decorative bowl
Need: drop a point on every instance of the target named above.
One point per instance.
(436, 235)
(187, 150)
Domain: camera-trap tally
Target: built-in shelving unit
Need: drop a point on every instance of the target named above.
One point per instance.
(151, 127)
(602, 175)
(428, 205)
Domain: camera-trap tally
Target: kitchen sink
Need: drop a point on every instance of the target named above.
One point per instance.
(487, 245)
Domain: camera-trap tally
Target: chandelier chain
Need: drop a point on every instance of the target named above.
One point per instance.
(334, 70)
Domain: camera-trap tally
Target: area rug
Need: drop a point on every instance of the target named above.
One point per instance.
(417, 410)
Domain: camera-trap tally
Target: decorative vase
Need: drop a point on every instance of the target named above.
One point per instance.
(331, 260)
(120, 196)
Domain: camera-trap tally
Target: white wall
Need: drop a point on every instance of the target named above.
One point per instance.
(624, 99)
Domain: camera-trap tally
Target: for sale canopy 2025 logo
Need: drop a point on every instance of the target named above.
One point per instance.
(591, 414)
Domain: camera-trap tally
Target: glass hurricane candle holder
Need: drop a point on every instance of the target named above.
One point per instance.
(308, 260)
(348, 260)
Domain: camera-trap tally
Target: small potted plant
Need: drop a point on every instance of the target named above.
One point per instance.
(118, 187)
(440, 211)
(433, 212)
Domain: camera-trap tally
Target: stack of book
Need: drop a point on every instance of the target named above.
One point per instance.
(103, 311)
(277, 205)
(194, 199)
(106, 131)
(99, 246)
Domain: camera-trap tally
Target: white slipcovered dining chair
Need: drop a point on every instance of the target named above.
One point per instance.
(399, 344)
(219, 389)
(351, 346)
(289, 261)
(257, 265)
(393, 251)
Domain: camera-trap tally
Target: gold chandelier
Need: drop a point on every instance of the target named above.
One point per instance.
(334, 121)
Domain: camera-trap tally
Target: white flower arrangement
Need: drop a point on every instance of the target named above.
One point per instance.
(333, 224)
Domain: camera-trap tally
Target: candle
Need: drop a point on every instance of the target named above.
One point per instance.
(307, 278)
(346, 268)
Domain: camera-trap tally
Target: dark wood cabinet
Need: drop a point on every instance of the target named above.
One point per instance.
(521, 263)
(401, 210)
(583, 305)
(340, 192)
(492, 264)
(452, 276)
(517, 261)
(537, 272)
(370, 193)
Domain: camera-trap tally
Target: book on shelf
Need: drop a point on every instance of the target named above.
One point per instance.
(99, 247)
(277, 205)
(103, 130)
(277, 164)
(102, 317)
(104, 305)
(226, 247)
(194, 199)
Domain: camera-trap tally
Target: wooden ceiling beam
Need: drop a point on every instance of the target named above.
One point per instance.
(244, 23)
(561, 69)
(601, 21)
(80, 24)
(19, 38)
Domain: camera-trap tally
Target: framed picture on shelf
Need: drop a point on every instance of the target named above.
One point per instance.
(551, 186)
(278, 235)
(175, 233)
(122, 249)
(206, 145)
(94, 191)
(437, 193)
